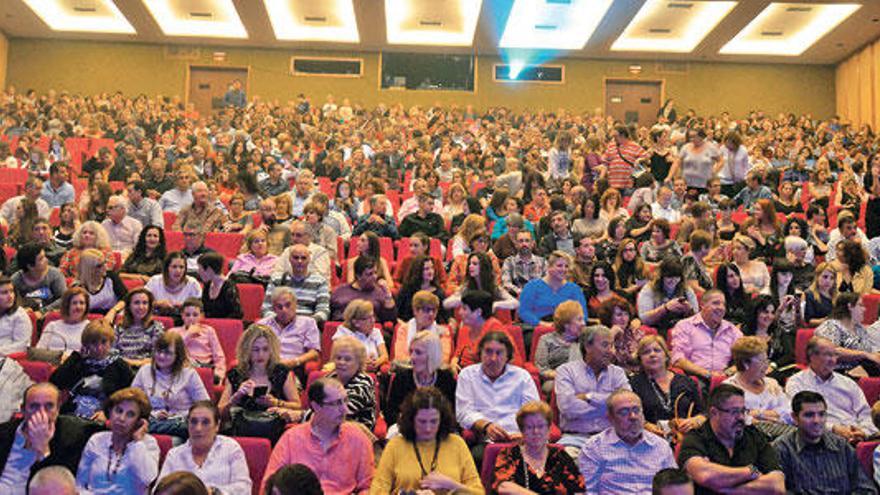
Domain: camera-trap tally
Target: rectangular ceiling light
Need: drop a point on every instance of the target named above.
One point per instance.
(199, 18)
(431, 22)
(671, 26)
(552, 24)
(92, 16)
(302, 20)
(788, 29)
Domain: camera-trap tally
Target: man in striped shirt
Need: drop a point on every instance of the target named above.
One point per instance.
(312, 290)
(621, 158)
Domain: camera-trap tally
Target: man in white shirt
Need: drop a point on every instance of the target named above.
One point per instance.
(849, 414)
(143, 209)
(33, 187)
(176, 199)
(121, 228)
(57, 191)
(663, 207)
(847, 230)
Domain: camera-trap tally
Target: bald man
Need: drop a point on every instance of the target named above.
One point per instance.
(122, 229)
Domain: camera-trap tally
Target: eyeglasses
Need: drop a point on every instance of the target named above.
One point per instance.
(335, 403)
(737, 411)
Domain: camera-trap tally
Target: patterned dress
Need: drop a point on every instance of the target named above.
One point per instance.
(561, 474)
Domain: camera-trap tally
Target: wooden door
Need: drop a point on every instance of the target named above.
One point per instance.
(208, 85)
(633, 101)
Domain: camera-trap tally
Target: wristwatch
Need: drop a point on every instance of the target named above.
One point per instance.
(756, 473)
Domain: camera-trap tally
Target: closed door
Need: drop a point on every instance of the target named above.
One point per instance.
(208, 85)
(633, 102)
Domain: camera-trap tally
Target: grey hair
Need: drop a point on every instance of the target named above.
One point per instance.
(283, 290)
(794, 242)
(589, 334)
(53, 477)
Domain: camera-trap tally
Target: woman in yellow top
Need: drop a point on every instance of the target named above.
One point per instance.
(426, 455)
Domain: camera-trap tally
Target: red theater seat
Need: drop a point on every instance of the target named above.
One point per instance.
(800, 344)
(227, 244)
(865, 454)
(251, 297)
(228, 333)
(257, 452)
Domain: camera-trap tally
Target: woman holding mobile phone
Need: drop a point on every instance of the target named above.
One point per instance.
(124, 459)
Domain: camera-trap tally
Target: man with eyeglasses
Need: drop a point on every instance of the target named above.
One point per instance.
(318, 255)
(724, 455)
(122, 229)
(623, 458)
(815, 460)
(849, 414)
(338, 452)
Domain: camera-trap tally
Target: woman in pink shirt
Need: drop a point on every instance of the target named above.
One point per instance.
(201, 340)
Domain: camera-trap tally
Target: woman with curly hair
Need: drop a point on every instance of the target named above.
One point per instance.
(89, 235)
(147, 256)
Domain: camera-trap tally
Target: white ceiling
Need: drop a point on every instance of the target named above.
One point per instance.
(428, 25)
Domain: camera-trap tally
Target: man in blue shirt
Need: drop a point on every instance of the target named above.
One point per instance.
(57, 191)
(235, 97)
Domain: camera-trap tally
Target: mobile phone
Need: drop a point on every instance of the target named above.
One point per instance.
(260, 391)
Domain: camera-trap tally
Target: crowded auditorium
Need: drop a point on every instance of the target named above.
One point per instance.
(414, 247)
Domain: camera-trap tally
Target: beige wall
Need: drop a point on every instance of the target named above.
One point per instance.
(89, 67)
(858, 86)
(4, 54)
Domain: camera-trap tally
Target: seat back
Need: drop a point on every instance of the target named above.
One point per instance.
(800, 344)
(228, 333)
(865, 454)
(870, 386)
(168, 219)
(330, 328)
(132, 283)
(540, 331)
(872, 303)
(519, 345)
(251, 297)
(226, 243)
(173, 240)
(166, 321)
(257, 452)
(37, 371)
(487, 470)
(207, 376)
(165, 444)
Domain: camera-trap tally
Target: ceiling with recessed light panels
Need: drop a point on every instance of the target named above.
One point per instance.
(805, 31)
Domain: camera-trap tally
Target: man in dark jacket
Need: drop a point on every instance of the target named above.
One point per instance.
(41, 438)
(424, 220)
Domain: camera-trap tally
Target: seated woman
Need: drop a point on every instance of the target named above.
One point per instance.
(609, 206)
(423, 275)
(349, 359)
(754, 274)
(89, 235)
(671, 401)
(321, 233)
(66, 334)
(419, 245)
(765, 399)
(202, 344)
(68, 224)
(540, 297)
(555, 348)
(427, 371)
(257, 262)
(427, 431)
(360, 324)
(106, 290)
(626, 332)
(818, 223)
(147, 256)
(219, 295)
(660, 246)
(844, 328)
(762, 322)
(124, 459)
(764, 229)
(667, 299)
(480, 276)
(138, 332)
(589, 224)
(819, 299)
(697, 275)
(16, 328)
(629, 270)
(259, 382)
(638, 226)
(91, 376)
(217, 460)
(853, 267)
(171, 385)
(479, 243)
(39, 285)
(173, 286)
(239, 218)
(788, 303)
(534, 465)
(425, 306)
(609, 246)
(368, 243)
(728, 281)
(601, 287)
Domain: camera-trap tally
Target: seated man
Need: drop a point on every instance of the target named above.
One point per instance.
(33, 187)
(624, 458)
(505, 246)
(490, 393)
(312, 290)
(122, 229)
(701, 344)
(144, 209)
(559, 237)
(424, 220)
(193, 248)
(366, 287)
(275, 184)
(41, 233)
(672, 481)
(201, 213)
(522, 267)
(663, 207)
(725, 455)
(57, 191)
(40, 438)
(848, 412)
(319, 257)
(583, 386)
(813, 459)
(298, 335)
(476, 322)
(377, 220)
(180, 196)
(584, 258)
(337, 451)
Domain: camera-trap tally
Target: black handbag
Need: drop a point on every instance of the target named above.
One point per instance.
(249, 423)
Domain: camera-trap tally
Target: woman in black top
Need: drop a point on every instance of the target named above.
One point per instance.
(729, 281)
(220, 295)
(422, 275)
(670, 401)
(426, 355)
(872, 187)
(148, 255)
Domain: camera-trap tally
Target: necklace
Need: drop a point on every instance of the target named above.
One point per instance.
(433, 462)
(538, 467)
(665, 400)
(111, 473)
(427, 383)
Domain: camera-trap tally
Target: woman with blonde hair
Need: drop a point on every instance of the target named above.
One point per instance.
(259, 383)
(754, 273)
(819, 298)
(65, 334)
(89, 235)
(554, 348)
(106, 290)
(257, 261)
(765, 398)
(456, 202)
(470, 226)
(360, 324)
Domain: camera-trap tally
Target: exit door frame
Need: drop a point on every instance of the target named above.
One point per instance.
(190, 67)
(613, 79)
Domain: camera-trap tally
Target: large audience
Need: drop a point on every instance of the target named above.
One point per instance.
(318, 297)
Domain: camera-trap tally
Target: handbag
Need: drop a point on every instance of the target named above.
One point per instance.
(249, 423)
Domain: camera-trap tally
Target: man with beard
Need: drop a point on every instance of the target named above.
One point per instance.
(518, 270)
(624, 458)
(701, 344)
(814, 460)
(726, 456)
